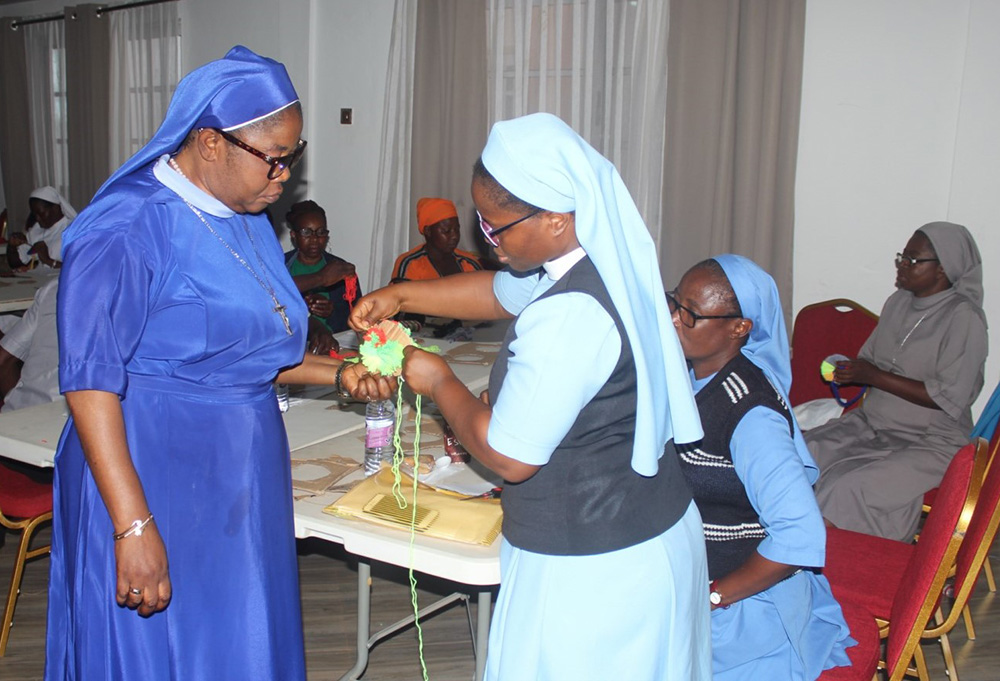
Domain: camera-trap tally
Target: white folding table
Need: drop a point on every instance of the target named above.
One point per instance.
(316, 418)
(17, 291)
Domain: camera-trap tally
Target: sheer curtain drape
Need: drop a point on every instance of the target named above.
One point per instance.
(733, 117)
(449, 109)
(601, 65)
(45, 60)
(392, 198)
(145, 69)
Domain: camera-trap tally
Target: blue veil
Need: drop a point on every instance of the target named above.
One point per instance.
(767, 346)
(227, 93)
(541, 160)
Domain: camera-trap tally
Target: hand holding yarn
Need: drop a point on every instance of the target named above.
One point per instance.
(833, 370)
(828, 367)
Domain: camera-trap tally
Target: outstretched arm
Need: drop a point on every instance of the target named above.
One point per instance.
(463, 296)
(428, 374)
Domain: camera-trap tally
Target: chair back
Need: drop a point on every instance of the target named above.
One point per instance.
(820, 330)
(923, 580)
(981, 533)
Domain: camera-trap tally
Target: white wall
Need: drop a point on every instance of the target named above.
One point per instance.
(899, 105)
(336, 52)
(350, 58)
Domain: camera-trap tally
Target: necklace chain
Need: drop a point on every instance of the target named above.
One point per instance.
(267, 287)
(899, 347)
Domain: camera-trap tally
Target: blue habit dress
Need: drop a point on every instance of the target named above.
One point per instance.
(155, 308)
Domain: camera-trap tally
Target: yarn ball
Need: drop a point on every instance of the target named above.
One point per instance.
(829, 365)
(382, 345)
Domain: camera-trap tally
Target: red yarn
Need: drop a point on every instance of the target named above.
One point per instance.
(351, 289)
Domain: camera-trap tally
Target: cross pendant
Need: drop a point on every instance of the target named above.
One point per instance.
(280, 309)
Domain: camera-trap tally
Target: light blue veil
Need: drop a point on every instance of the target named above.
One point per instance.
(541, 160)
(767, 346)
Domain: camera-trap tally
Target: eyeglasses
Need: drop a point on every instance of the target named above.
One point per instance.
(321, 233)
(278, 164)
(910, 261)
(688, 316)
(491, 233)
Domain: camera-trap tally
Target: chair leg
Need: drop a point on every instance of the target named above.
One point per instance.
(918, 658)
(23, 554)
(988, 570)
(970, 628)
(949, 658)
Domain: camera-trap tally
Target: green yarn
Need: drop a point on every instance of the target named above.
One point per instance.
(382, 355)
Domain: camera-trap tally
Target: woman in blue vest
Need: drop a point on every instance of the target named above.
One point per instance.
(602, 562)
(773, 615)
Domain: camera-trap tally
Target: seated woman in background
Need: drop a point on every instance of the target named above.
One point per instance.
(437, 220)
(773, 615)
(924, 366)
(320, 276)
(42, 241)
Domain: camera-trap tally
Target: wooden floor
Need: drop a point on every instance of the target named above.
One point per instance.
(329, 585)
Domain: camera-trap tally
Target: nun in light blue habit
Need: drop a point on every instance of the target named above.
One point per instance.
(751, 477)
(155, 310)
(603, 567)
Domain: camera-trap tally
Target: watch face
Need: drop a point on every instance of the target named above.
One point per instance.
(715, 598)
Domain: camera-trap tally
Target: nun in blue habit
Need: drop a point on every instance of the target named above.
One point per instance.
(173, 553)
(603, 562)
(773, 615)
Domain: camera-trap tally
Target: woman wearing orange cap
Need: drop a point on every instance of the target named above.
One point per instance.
(437, 220)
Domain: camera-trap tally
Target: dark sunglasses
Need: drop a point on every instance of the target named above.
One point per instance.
(491, 233)
(278, 164)
(688, 316)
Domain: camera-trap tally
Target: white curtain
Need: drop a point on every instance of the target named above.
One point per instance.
(601, 65)
(392, 200)
(145, 70)
(45, 52)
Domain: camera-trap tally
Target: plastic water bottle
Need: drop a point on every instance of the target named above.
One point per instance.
(380, 419)
(281, 392)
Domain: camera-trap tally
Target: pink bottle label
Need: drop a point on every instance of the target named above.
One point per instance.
(378, 435)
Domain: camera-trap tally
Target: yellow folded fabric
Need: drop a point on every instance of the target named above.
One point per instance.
(439, 514)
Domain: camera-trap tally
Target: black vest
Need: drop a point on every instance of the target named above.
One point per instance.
(732, 527)
(587, 499)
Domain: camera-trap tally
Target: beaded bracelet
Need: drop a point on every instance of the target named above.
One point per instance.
(136, 528)
(338, 385)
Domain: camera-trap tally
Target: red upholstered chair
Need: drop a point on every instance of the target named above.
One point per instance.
(901, 584)
(25, 504)
(987, 569)
(864, 656)
(820, 330)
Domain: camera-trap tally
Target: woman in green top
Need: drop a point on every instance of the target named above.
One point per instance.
(321, 277)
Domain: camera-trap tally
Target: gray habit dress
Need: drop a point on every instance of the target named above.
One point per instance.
(876, 462)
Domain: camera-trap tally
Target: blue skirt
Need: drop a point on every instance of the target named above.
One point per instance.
(794, 631)
(640, 613)
(215, 469)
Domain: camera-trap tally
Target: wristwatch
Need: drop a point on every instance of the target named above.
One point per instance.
(714, 597)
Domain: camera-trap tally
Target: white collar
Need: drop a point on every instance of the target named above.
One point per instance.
(188, 191)
(557, 267)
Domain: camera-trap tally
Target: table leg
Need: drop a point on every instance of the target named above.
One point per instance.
(482, 632)
(364, 621)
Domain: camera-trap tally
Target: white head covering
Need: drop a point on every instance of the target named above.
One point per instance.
(959, 256)
(541, 160)
(51, 195)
